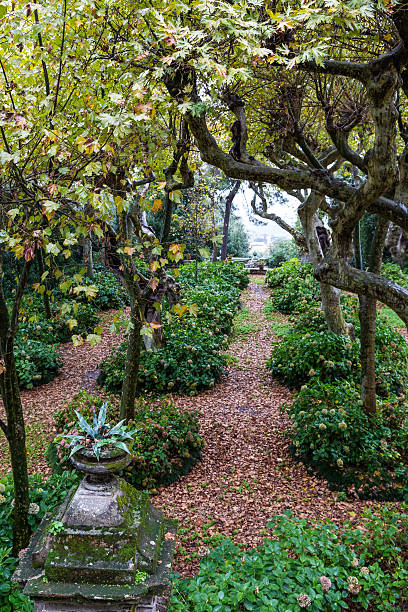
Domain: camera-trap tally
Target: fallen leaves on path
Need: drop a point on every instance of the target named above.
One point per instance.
(80, 371)
(247, 474)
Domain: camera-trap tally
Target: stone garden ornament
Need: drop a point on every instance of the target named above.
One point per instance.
(106, 548)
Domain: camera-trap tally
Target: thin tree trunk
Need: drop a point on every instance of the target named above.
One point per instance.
(17, 442)
(368, 315)
(129, 386)
(167, 220)
(227, 216)
(88, 257)
(46, 297)
(214, 252)
(14, 429)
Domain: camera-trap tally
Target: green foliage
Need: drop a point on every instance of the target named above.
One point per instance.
(286, 271)
(299, 357)
(323, 567)
(110, 292)
(282, 251)
(215, 310)
(37, 363)
(167, 442)
(234, 274)
(295, 288)
(98, 436)
(191, 357)
(332, 432)
(238, 243)
(394, 273)
(45, 495)
(306, 352)
(190, 360)
(34, 325)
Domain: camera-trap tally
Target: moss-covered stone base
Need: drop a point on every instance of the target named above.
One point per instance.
(114, 549)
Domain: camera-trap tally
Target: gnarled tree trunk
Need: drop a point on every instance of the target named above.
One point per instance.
(227, 216)
(14, 428)
(331, 307)
(317, 242)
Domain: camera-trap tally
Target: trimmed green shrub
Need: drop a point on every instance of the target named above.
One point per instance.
(215, 310)
(190, 360)
(332, 433)
(299, 357)
(234, 274)
(322, 567)
(191, 357)
(166, 445)
(295, 288)
(45, 495)
(286, 271)
(37, 363)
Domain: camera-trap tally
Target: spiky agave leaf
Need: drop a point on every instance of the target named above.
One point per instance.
(102, 415)
(84, 425)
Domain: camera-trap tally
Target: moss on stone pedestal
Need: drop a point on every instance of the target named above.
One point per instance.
(111, 538)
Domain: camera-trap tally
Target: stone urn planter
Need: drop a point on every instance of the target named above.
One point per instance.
(112, 550)
(111, 461)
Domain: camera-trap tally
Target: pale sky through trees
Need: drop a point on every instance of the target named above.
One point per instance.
(287, 211)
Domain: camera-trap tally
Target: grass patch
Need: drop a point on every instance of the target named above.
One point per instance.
(258, 280)
(392, 318)
(245, 323)
(279, 325)
(231, 360)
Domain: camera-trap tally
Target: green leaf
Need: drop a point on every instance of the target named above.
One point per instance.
(204, 252)
(116, 428)
(84, 425)
(75, 449)
(123, 446)
(97, 450)
(102, 415)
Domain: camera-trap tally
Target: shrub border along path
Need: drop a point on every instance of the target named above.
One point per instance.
(246, 475)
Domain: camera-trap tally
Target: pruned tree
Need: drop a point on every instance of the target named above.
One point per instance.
(306, 114)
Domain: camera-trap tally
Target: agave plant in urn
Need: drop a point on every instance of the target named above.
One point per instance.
(113, 549)
(100, 450)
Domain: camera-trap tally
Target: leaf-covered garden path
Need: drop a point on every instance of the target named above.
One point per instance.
(79, 371)
(246, 474)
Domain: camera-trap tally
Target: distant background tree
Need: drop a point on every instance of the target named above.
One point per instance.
(280, 251)
(238, 241)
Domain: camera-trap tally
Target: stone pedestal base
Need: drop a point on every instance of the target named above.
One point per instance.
(154, 604)
(112, 552)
